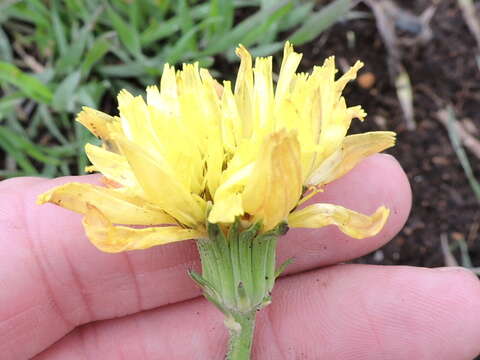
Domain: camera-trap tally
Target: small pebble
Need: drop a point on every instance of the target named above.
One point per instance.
(366, 80)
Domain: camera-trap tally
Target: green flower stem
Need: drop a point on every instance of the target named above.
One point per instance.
(241, 338)
(238, 274)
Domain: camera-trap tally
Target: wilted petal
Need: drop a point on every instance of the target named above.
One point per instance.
(98, 123)
(354, 149)
(109, 238)
(350, 222)
(275, 185)
(101, 125)
(118, 206)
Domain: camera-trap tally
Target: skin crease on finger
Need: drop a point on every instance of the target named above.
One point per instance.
(343, 312)
(55, 280)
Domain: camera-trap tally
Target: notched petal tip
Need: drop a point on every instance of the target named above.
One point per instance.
(241, 51)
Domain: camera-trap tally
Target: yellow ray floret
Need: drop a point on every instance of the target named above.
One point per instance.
(348, 221)
(353, 149)
(194, 151)
(119, 206)
(270, 193)
(109, 238)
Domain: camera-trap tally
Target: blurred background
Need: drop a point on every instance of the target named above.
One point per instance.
(421, 79)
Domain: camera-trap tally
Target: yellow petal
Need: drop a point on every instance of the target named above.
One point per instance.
(178, 147)
(327, 110)
(351, 74)
(109, 238)
(354, 149)
(117, 205)
(226, 209)
(195, 109)
(136, 119)
(275, 185)
(263, 100)
(112, 165)
(168, 86)
(244, 90)
(161, 185)
(350, 222)
(101, 125)
(97, 122)
(231, 123)
(157, 101)
(290, 62)
(227, 202)
(215, 154)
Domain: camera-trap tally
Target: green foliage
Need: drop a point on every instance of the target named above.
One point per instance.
(58, 55)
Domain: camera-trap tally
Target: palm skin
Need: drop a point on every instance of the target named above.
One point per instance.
(63, 299)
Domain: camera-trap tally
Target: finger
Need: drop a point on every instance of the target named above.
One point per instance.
(343, 312)
(14, 184)
(59, 280)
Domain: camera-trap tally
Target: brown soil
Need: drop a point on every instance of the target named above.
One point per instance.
(442, 71)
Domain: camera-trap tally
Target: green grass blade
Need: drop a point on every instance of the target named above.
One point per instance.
(224, 9)
(265, 32)
(186, 25)
(460, 152)
(320, 21)
(240, 31)
(26, 146)
(98, 50)
(127, 34)
(157, 31)
(64, 96)
(133, 69)
(266, 50)
(73, 56)
(22, 12)
(51, 125)
(298, 15)
(9, 102)
(180, 50)
(58, 29)
(5, 49)
(83, 136)
(19, 156)
(27, 84)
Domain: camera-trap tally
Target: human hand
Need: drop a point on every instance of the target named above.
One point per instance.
(61, 298)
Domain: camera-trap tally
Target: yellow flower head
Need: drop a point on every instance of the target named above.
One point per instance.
(196, 151)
